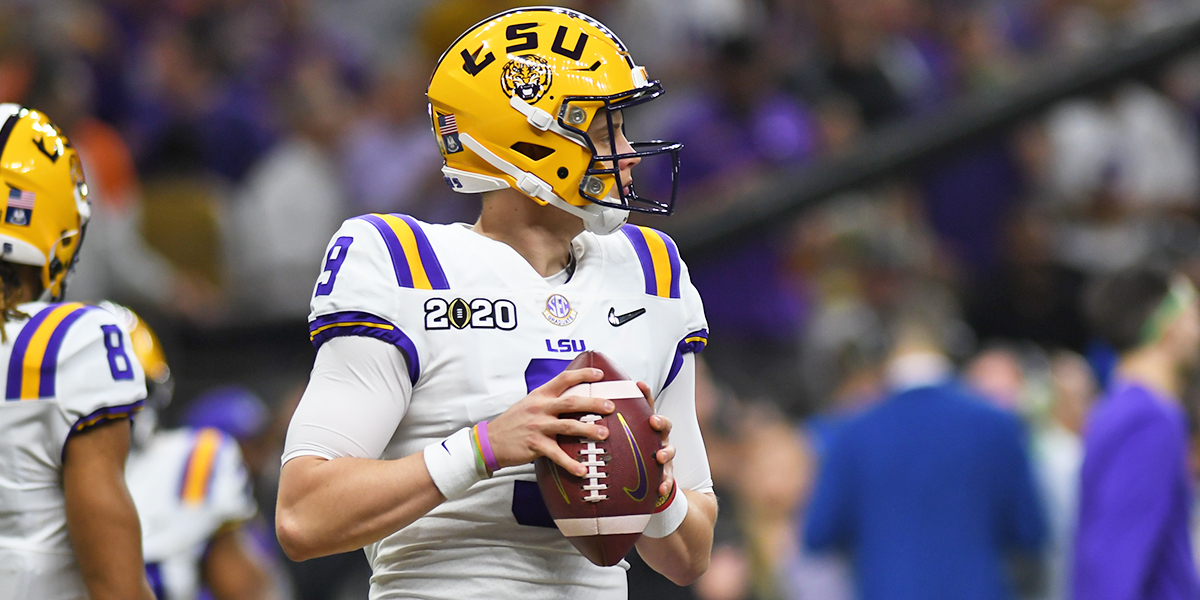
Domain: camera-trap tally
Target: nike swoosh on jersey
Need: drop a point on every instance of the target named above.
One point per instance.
(618, 320)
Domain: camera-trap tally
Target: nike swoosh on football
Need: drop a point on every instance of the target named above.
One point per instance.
(618, 320)
(639, 493)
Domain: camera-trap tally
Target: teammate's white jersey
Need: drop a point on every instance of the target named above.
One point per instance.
(479, 329)
(187, 485)
(66, 368)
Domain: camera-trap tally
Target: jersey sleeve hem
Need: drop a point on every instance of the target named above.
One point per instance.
(356, 323)
(107, 413)
(692, 343)
(101, 416)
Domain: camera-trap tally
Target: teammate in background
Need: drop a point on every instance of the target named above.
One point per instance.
(68, 528)
(431, 337)
(192, 493)
(1135, 495)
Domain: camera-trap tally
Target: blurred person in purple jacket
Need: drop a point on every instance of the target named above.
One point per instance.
(1132, 539)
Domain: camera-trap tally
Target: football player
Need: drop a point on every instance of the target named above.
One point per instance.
(192, 493)
(68, 528)
(440, 375)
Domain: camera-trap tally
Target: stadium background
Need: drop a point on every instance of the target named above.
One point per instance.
(850, 165)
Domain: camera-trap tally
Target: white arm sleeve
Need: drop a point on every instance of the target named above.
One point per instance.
(357, 393)
(678, 403)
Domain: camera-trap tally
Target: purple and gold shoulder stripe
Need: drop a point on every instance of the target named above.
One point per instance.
(692, 343)
(413, 260)
(659, 259)
(34, 361)
(196, 481)
(107, 413)
(356, 323)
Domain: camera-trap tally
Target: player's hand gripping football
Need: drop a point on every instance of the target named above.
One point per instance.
(662, 425)
(529, 428)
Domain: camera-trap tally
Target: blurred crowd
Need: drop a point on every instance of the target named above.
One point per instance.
(225, 140)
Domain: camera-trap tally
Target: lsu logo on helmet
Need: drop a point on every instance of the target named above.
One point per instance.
(528, 76)
(46, 208)
(522, 135)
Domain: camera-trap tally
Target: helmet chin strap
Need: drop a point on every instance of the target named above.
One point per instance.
(601, 220)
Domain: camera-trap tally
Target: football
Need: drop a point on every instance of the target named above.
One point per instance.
(604, 512)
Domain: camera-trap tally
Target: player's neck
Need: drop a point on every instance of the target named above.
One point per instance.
(1154, 368)
(540, 234)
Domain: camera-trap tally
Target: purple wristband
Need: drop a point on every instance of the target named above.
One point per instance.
(485, 445)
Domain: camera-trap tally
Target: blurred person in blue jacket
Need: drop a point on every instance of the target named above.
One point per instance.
(930, 491)
(1135, 493)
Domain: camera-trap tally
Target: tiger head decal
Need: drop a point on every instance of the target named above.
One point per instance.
(527, 76)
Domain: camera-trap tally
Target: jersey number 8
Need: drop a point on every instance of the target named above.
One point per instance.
(118, 360)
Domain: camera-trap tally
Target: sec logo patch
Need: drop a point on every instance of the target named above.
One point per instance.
(558, 310)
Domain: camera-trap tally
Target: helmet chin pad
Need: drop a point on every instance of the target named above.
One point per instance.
(600, 220)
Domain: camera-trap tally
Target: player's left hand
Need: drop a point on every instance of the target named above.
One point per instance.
(662, 425)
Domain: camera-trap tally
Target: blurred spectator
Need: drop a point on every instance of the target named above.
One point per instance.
(738, 127)
(293, 199)
(931, 490)
(1058, 455)
(1135, 492)
(1031, 296)
(764, 470)
(996, 373)
(388, 164)
(774, 486)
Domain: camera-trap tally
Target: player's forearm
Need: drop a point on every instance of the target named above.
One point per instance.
(107, 541)
(331, 506)
(231, 572)
(683, 556)
(102, 521)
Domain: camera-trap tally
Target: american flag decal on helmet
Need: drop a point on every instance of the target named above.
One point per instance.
(447, 125)
(20, 198)
(448, 128)
(20, 207)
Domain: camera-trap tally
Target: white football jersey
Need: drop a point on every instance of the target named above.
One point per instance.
(479, 329)
(66, 368)
(187, 485)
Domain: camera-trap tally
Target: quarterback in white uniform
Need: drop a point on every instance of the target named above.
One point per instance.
(68, 529)
(424, 331)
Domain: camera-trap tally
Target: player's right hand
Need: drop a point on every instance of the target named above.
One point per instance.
(529, 428)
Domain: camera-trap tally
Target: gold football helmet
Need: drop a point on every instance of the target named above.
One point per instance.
(148, 351)
(160, 384)
(46, 208)
(512, 100)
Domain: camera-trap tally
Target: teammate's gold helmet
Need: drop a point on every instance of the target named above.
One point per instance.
(511, 102)
(149, 353)
(42, 185)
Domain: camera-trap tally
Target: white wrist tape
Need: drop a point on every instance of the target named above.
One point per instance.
(452, 464)
(666, 522)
